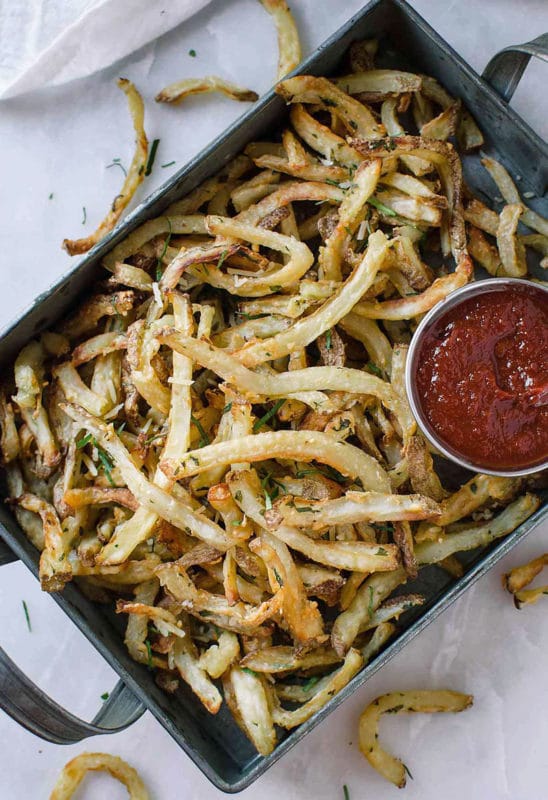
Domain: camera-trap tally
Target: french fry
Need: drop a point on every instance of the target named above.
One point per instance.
(519, 577)
(176, 92)
(425, 701)
(74, 772)
(246, 697)
(289, 46)
(134, 177)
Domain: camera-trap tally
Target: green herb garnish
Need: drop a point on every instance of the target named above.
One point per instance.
(152, 156)
(258, 424)
(311, 682)
(381, 207)
(381, 552)
(50, 196)
(169, 164)
(27, 616)
(149, 653)
(204, 438)
(406, 768)
(331, 181)
(105, 460)
(249, 671)
(192, 53)
(346, 793)
(105, 695)
(117, 162)
(221, 260)
(374, 369)
(277, 576)
(328, 343)
(159, 270)
(370, 604)
(227, 408)
(275, 288)
(107, 464)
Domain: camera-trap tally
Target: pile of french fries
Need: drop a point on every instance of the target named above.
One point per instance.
(219, 440)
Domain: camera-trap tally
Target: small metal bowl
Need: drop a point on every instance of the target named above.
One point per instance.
(454, 299)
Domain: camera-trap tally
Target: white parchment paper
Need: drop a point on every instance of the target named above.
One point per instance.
(59, 141)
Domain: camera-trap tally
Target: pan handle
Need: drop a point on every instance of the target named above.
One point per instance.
(505, 69)
(34, 710)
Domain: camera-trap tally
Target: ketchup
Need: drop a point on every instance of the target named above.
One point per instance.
(482, 378)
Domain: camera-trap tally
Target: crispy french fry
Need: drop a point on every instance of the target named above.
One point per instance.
(289, 46)
(425, 701)
(134, 177)
(74, 772)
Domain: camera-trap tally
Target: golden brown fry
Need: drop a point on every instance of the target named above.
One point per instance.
(519, 577)
(74, 772)
(301, 614)
(55, 568)
(425, 701)
(176, 92)
(299, 445)
(322, 92)
(511, 250)
(134, 177)
(289, 46)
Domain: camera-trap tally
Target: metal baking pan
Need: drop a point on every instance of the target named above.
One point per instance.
(215, 743)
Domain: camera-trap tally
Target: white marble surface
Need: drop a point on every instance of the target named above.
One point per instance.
(60, 142)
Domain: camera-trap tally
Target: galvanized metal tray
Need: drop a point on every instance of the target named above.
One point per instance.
(215, 743)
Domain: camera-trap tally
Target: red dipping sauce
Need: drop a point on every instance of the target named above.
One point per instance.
(482, 377)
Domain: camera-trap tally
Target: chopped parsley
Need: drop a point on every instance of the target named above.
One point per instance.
(152, 156)
(169, 164)
(117, 162)
(105, 695)
(221, 260)
(381, 207)
(381, 552)
(105, 461)
(277, 576)
(328, 343)
(406, 768)
(84, 441)
(27, 616)
(311, 682)
(149, 653)
(159, 270)
(374, 369)
(346, 793)
(192, 53)
(473, 487)
(249, 671)
(204, 438)
(258, 424)
(370, 604)
(331, 181)
(50, 197)
(227, 408)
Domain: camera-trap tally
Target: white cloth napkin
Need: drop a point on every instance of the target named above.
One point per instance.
(48, 42)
